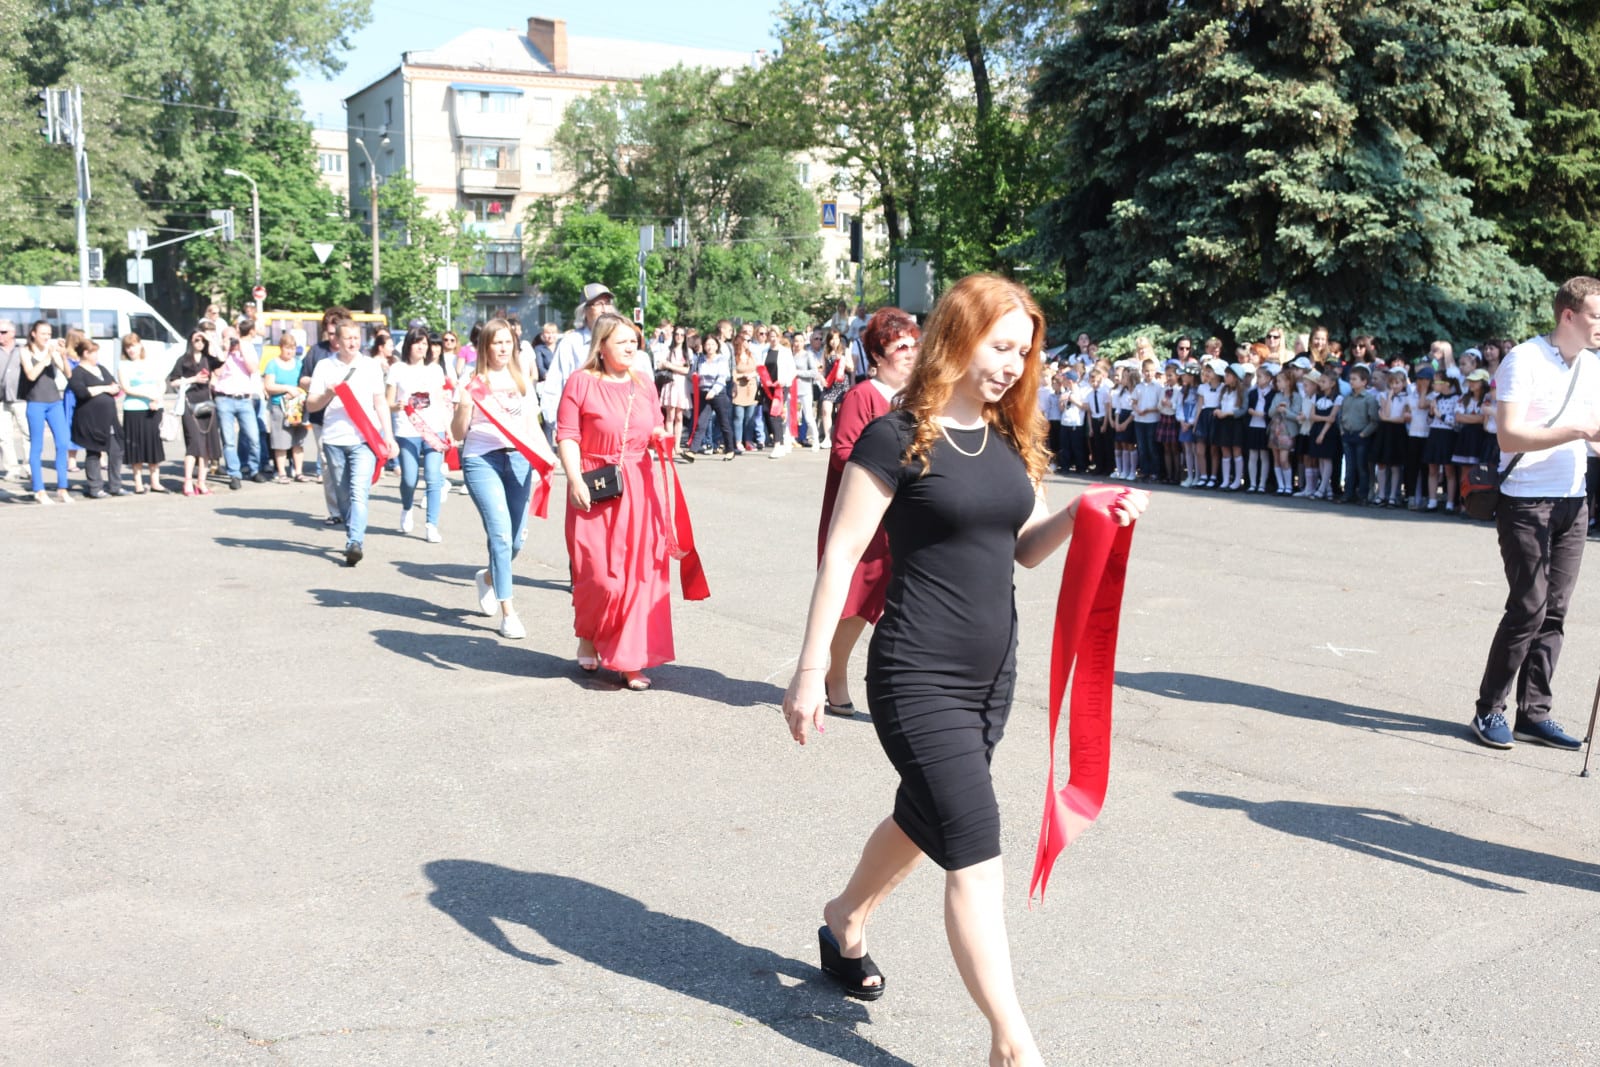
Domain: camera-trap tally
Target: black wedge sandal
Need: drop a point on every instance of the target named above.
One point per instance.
(849, 973)
(847, 710)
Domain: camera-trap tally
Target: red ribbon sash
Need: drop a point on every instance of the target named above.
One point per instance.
(452, 457)
(1088, 612)
(537, 457)
(835, 374)
(694, 390)
(775, 394)
(363, 424)
(680, 532)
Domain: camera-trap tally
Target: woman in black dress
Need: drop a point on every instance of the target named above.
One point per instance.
(955, 477)
(94, 420)
(202, 434)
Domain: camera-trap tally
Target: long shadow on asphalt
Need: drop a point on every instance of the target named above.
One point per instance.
(1227, 691)
(616, 932)
(456, 652)
(1390, 836)
(273, 544)
(405, 607)
(296, 518)
(461, 574)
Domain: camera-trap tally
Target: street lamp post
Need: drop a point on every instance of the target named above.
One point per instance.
(255, 225)
(372, 198)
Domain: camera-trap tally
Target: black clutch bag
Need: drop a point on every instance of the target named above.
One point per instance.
(605, 483)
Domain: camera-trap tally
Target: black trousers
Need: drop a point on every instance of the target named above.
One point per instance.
(91, 468)
(1074, 452)
(1102, 446)
(1541, 544)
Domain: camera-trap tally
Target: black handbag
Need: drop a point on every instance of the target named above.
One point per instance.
(1480, 489)
(605, 483)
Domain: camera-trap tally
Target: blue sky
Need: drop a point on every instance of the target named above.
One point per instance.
(402, 25)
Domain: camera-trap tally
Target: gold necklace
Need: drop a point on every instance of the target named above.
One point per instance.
(949, 440)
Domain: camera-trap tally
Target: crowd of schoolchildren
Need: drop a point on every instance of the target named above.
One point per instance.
(1316, 421)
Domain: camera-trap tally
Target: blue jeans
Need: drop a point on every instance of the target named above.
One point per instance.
(1357, 478)
(235, 413)
(1144, 433)
(53, 415)
(500, 484)
(350, 467)
(745, 417)
(414, 450)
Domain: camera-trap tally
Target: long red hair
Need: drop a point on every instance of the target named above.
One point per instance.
(958, 324)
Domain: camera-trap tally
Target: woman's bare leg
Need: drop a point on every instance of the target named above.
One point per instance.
(974, 921)
(837, 680)
(886, 859)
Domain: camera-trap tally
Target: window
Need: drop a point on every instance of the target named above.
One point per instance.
(489, 155)
(388, 112)
(544, 111)
(331, 162)
(490, 103)
(149, 328)
(803, 171)
(485, 208)
(502, 258)
(540, 161)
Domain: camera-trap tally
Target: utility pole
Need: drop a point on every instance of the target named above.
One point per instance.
(647, 243)
(255, 225)
(62, 114)
(372, 197)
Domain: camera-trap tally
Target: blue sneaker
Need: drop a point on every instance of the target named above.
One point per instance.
(1548, 732)
(1492, 730)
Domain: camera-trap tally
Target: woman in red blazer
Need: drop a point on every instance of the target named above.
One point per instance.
(890, 341)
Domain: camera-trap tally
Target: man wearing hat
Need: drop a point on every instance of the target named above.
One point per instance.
(573, 348)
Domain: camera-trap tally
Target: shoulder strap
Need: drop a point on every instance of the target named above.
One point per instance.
(1562, 410)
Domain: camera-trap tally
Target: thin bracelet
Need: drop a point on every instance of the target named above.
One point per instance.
(802, 670)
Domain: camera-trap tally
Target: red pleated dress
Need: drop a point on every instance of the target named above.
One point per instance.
(621, 598)
(869, 585)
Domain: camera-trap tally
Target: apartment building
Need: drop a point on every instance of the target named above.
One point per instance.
(473, 122)
(333, 159)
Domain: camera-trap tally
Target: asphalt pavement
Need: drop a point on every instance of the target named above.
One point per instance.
(261, 808)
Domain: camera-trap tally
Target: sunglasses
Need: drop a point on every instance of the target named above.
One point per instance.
(1274, 336)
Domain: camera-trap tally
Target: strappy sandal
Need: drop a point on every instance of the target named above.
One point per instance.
(850, 973)
(638, 683)
(588, 664)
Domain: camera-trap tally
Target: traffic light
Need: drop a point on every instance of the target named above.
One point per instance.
(855, 240)
(49, 121)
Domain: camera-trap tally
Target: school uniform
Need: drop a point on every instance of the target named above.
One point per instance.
(1416, 444)
(1122, 405)
(1441, 444)
(1469, 435)
(1074, 454)
(1206, 428)
(1255, 431)
(1100, 450)
(1390, 450)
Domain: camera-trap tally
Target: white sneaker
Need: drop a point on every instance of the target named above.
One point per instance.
(511, 628)
(486, 597)
(407, 521)
(433, 534)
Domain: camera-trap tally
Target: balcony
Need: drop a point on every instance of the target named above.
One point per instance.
(488, 180)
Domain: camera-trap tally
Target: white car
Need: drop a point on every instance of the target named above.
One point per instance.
(113, 314)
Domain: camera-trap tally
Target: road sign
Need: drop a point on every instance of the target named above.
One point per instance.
(140, 271)
(830, 214)
(322, 249)
(259, 293)
(447, 278)
(138, 240)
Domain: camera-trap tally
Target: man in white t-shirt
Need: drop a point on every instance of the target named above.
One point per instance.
(1548, 409)
(351, 460)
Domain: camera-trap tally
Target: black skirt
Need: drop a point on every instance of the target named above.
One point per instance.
(1255, 438)
(1390, 450)
(1441, 446)
(141, 432)
(202, 437)
(1206, 425)
(1228, 433)
(1329, 447)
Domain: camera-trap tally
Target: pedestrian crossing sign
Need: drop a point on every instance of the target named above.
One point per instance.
(830, 214)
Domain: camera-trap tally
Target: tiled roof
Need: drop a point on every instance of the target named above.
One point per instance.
(510, 51)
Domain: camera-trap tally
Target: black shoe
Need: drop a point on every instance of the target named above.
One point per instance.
(332, 521)
(261, 477)
(233, 483)
(352, 554)
(851, 973)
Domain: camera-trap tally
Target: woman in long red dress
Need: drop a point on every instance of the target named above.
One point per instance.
(610, 414)
(890, 340)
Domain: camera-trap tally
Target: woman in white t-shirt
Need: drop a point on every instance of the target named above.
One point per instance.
(419, 396)
(499, 479)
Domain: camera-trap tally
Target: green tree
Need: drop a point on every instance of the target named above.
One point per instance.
(584, 247)
(1239, 166)
(688, 144)
(413, 244)
(1546, 199)
(297, 209)
(168, 87)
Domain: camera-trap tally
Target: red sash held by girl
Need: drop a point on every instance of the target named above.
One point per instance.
(1088, 611)
(680, 533)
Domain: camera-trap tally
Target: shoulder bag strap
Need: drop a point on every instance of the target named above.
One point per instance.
(1572, 387)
